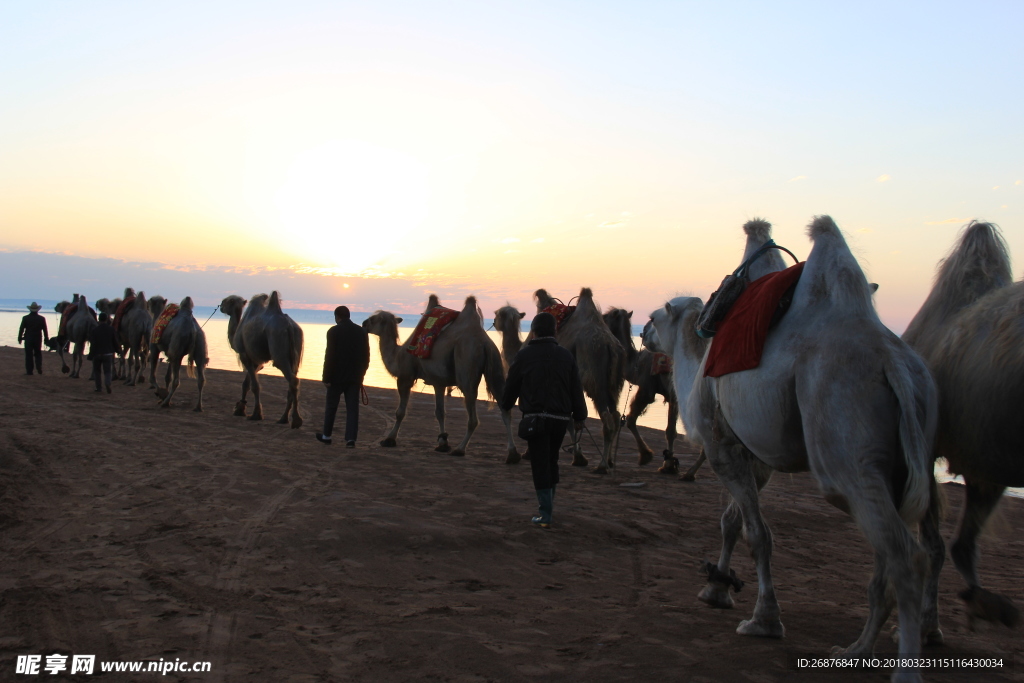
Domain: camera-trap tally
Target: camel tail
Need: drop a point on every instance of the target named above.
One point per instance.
(274, 305)
(295, 352)
(199, 353)
(918, 417)
(494, 374)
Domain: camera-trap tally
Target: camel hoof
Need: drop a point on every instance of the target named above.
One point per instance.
(688, 477)
(161, 394)
(256, 417)
(443, 448)
(239, 409)
(645, 457)
(283, 420)
(197, 409)
(988, 606)
(600, 469)
(65, 369)
(526, 455)
(768, 628)
(670, 466)
(579, 461)
(389, 443)
(297, 422)
(716, 596)
(513, 457)
(165, 404)
(457, 452)
(933, 638)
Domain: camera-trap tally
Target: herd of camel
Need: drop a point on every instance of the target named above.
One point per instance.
(836, 393)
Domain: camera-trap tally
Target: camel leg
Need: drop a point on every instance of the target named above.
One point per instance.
(472, 421)
(292, 403)
(201, 381)
(671, 430)
(513, 456)
(979, 502)
(716, 593)
(173, 372)
(933, 544)
(240, 406)
(880, 604)
(609, 431)
(404, 389)
(691, 473)
(153, 362)
(577, 451)
(442, 435)
(296, 417)
(644, 397)
(254, 383)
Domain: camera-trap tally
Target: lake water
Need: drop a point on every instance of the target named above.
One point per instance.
(314, 327)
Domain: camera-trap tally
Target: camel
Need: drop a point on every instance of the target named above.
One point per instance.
(110, 306)
(182, 337)
(461, 355)
(639, 366)
(507, 321)
(602, 363)
(77, 330)
(136, 326)
(970, 332)
(838, 394)
(262, 334)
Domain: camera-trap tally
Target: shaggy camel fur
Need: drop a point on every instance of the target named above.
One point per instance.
(182, 337)
(648, 388)
(110, 306)
(970, 331)
(839, 394)
(602, 363)
(461, 355)
(264, 333)
(77, 331)
(507, 320)
(135, 329)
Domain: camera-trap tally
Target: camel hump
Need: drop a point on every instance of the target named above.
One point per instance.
(758, 228)
(274, 305)
(186, 304)
(586, 293)
(470, 307)
(432, 302)
(83, 304)
(823, 225)
(982, 247)
(541, 295)
(128, 292)
(140, 299)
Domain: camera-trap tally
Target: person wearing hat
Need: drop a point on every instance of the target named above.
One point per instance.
(545, 379)
(33, 331)
(345, 364)
(103, 344)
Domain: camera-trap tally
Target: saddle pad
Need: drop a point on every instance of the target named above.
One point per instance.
(161, 323)
(428, 329)
(738, 344)
(122, 308)
(69, 311)
(561, 313)
(661, 363)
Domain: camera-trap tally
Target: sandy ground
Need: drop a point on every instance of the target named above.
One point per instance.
(134, 533)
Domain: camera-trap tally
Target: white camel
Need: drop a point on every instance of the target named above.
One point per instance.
(839, 394)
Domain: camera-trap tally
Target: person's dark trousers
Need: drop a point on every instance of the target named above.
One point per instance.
(104, 365)
(351, 394)
(34, 352)
(544, 453)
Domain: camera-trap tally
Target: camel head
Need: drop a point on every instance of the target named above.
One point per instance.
(59, 308)
(507, 318)
(676, 322)
(649, 338)
(382, 322)
(105, 305)
(232, 305)
(156, 305)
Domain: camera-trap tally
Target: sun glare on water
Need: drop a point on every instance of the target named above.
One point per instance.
(350, 204)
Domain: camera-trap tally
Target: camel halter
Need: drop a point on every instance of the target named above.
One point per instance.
(761, 251)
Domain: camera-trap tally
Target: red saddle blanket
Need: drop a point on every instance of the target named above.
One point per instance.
(428, 329)
(738, 344)
(561, 313)
(161, 323)
(661, 364)
(69, 311)
(122, 308)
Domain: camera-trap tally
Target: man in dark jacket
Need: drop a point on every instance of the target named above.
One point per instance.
(546, 381)
(345, 363)
(33, 331)
(103, 344)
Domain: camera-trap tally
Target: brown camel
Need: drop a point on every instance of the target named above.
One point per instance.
(182, 337)
(970, 331)
(136, 326)
(461, 355)
(639, 373)
(602, 363)
(507, 320)
(76, 331)
(262, 334)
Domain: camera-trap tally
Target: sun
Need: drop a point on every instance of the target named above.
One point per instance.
(350, 204)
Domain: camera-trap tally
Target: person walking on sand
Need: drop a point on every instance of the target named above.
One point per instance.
(103, 344)
(33, 331)
(545, 380)
(345, 364)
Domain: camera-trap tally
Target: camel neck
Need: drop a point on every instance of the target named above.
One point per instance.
(389, 349)
(510, 344)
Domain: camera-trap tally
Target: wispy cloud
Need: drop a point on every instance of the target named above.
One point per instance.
(997, 187)
(948, 220)
(796, 178)
(865, 230)
(883, 178)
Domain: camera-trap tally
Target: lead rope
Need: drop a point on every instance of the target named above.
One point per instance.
(215, 309)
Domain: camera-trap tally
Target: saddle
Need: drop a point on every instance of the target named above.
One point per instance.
(122, 308)
(428, 329)
(661, 363)
(561, 312)
(721, 302)
(160, 325)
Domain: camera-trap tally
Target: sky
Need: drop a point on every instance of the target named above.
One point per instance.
(370, 153)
